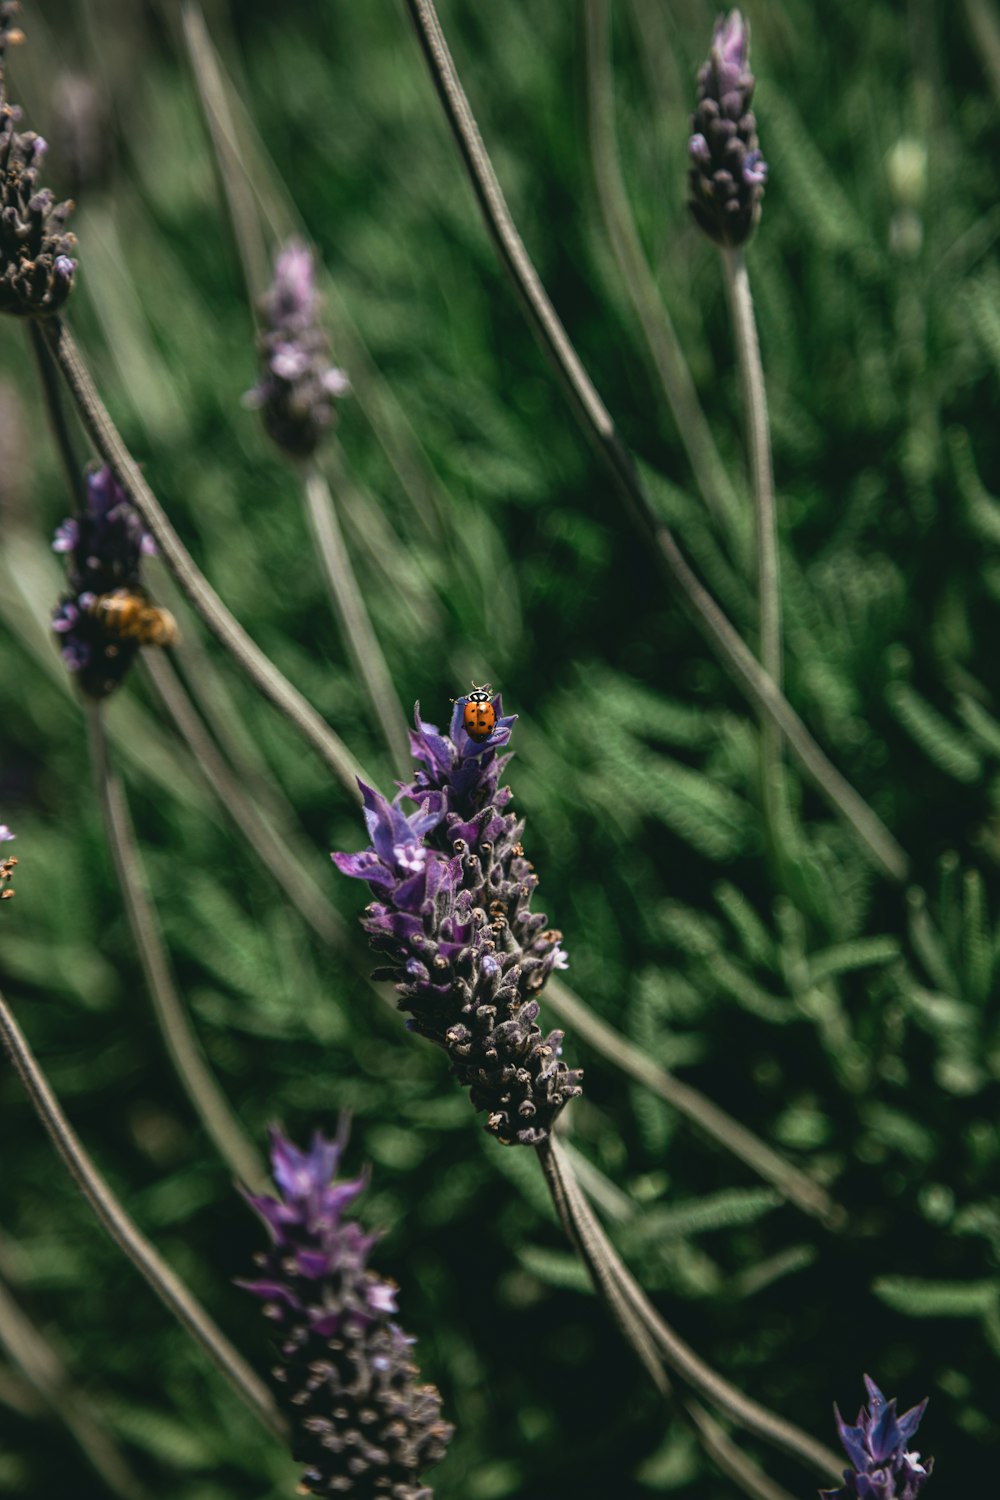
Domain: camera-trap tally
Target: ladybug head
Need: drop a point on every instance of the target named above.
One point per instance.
(481, 694)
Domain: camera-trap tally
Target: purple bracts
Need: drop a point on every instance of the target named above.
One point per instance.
(104, 549)
(727, 173)
(345, 1377)
(36, 264)
(298, 384)
(877, 1447)
(452, 918)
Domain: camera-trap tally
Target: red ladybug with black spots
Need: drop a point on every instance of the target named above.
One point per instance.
(479, 717)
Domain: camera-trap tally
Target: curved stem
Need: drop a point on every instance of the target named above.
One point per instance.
(606, 1267)
(305, 895)
(359, 636)
(199, 1083)
(745, 670)
(766, 525)
(650, 311)
(42, 1367)
(705, 1115)
(227, 630)
(130, 1240)
(57, 418)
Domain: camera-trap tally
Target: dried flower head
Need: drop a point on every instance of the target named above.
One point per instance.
(452, 918)
(727, 173)
(6, 865)
(36, 263)
(345, 1376)
(298, 384)
(107, 615)
(877, 1447)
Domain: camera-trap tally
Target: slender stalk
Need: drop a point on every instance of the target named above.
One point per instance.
(730, 1459)
(47, 1374)
(746, 672)
(208, 1100)
(650, 310)
(362, 643)
(237, 188)
(625, 1296)
(304, 894)
(57, 418)
(766, 526)
(128, 1237)
(227, 630)
(706, 1116)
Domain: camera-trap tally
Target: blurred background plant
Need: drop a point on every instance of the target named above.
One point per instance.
(851, 1024)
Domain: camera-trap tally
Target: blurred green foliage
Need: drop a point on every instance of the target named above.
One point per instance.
(853, 1026)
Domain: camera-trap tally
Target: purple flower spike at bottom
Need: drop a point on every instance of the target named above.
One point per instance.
(345, 1377)
(877, 1446)
(452, 917)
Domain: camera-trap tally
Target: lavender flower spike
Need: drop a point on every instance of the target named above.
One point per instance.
(298, 384)
(877, 1447)
(452, 919)
(107, 615)
(727, 173)
(344, 1376)
(36, 264)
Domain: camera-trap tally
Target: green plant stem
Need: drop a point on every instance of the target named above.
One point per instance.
(128, 1237)
(47, 1374)
(746, 672)
(57, 418)
(651, 313)
(207, 604)
(207, 1099)
(359, 636)
(700, 1111)
(270, 848)
(632, 1309)
(765, 528)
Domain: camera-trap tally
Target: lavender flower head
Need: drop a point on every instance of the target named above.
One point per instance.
(298, 384)
(36, 264)
(344, 1376)
(452, 919)
(106, 615)
(727, 173)
(877, 1447)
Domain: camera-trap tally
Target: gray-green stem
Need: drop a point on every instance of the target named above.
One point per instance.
(613, 1280)
(766, 526)
(197, 1080)
(746, 672)
(359, 636)
(128, 1237)
(203, 598)
(651, 314)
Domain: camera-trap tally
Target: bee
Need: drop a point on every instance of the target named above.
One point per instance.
(129, 615)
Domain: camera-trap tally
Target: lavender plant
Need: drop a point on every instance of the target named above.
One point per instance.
(345, 1375)
(106, 616)
(36, 262)
(298, 385)
(6, 864)
(453, 918)
(728, 172)
(883, 1468)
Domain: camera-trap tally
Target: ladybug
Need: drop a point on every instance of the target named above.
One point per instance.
(479, 716)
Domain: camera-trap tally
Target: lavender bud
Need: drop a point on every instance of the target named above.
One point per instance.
(107, 614)
(452, 918)
(877, 1448)
(345, 1377)
(36, 264)
(298, 385)
(6, 865)
(728, 173)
